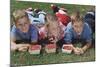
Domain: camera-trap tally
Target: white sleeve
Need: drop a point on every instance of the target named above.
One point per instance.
(13, 32)
(42, 18)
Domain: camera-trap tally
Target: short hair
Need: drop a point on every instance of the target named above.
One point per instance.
(76, 17)
(19, 14)
(50, 18)
(37, 10)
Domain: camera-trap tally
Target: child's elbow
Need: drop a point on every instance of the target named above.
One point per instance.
(89, 44)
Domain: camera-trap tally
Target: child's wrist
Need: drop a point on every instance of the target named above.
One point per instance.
(13, 48)
(84, 49)
(74, 48)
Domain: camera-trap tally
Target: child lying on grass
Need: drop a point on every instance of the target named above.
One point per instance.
(90, 19)
(63, 17)
(36, 17)
(78, 31)
(23, 33)
(55, 8)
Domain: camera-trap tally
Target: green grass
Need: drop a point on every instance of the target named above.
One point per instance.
(46, 6)
(24, 58)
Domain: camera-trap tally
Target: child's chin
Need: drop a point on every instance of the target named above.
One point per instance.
(79, 33)
(24, 31)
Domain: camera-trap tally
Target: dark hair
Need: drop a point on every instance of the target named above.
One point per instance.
(37, 10)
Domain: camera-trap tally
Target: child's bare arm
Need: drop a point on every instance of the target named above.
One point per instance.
(13, 44)
(19, 47)
(84, 48)
(79, 51)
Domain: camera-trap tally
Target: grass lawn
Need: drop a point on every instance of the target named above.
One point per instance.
(46, 6)
(24, 58)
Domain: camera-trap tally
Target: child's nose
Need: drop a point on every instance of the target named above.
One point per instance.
(24, 27)
(78, 30)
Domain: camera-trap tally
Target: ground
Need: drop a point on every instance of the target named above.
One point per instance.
(24, 58)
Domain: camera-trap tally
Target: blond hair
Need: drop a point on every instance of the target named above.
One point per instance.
(50, 18)
(76, 17)
(19, 14)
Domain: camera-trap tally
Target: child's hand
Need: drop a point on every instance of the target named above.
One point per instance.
(81, 51)
(52, 40)
(13, 47)
(23, 47)
(78, 51)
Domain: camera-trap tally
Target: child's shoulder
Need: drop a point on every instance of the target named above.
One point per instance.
(32, 26)
(86, 24)
(87, 27)
(13, 27)
(69, 27)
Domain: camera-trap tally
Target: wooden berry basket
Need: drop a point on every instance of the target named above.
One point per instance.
(35, 49)
(67, 48)
(50, 48)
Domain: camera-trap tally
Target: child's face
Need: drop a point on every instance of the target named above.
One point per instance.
(78, 27)
(23, 24)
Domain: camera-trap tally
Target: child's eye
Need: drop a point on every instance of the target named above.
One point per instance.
(20, 24)
(26, 23)
(75, 26)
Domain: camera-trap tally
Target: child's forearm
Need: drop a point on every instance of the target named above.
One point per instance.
(84, 48)
(13, 43)
(22, 47)
(13, 46)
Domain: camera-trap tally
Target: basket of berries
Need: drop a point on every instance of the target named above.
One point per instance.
(35, 49)
(50, 48)
(67, 48)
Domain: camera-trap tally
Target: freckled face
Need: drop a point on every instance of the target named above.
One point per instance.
(78, 27)
(23, 24)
